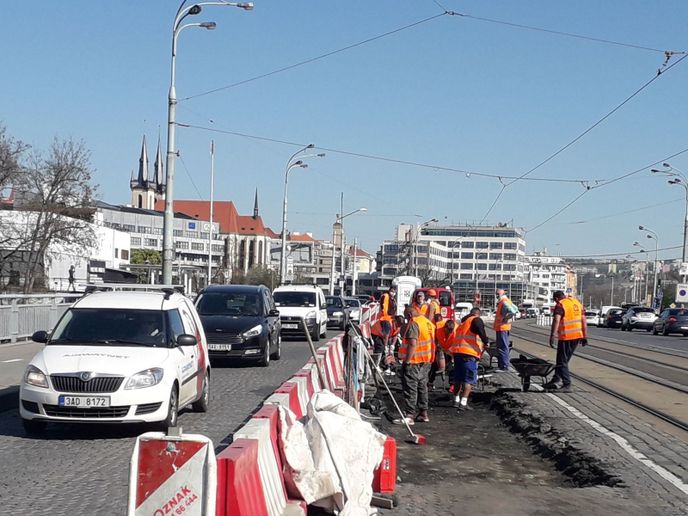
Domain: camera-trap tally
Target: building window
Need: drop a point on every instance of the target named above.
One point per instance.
(482, 245)
(481, 256)
(179, 244)
(481, 266)
(495, 266)
(151, 242)
(467, 244)
(135, 241)
(125, 254)
(116, 253)
(204, 235)
(510, 257)
(177, 232)
(218, 248)
(140, 202)
(509, 245)
(467, 266)
(495, 256)
(467, 256)
(495, 245)
(129, 228)
(196, 246)
(466, 276)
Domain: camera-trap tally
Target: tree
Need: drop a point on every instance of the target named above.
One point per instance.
(58, 192)
(11, 155)
(145, 256)
(257, 276)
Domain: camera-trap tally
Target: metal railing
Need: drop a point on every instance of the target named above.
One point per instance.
(21, 315)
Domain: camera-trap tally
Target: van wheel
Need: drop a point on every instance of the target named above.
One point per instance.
(278, 353)
(172, 411)
(202, 403)
(315, 334)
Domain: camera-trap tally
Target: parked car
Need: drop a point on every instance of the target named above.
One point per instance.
(614, 317)
(592, 317)
(602, 319)
(353, 307)
(118, 357)
(638, 317)
(337, 314)
(671, 320)
(297, 302)
(240, 321)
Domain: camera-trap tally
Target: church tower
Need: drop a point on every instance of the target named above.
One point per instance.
(145, 190)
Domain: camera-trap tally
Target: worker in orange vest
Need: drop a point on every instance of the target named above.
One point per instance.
(419, 303)
(571, 329)
(433, 305)
(415, 354)
(502, 325)
(380, 350)
(388, 310)
(439, 361)
(468, 344)
(444, 339)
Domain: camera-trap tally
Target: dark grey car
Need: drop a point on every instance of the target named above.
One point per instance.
(671, 320)
(337, 313)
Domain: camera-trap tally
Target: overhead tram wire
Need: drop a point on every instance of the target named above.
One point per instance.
(436, 168)
(586, 131)
(315, 58)
(612, 215)
(188, 174)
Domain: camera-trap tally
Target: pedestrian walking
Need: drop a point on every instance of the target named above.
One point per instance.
(570, 329)
(469, 342)
(415, 354)
(502, 325)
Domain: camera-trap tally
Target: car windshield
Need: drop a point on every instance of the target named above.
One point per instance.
(294, 298)
(643, 310)
(335, 302)
(445, 298)
(353, 303)
(242, 304)
(615, 311)
(110, 327)
(590, 314)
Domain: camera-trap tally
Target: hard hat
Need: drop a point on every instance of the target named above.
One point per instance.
(432, 292)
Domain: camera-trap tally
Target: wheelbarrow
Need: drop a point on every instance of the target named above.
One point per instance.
(527, 367)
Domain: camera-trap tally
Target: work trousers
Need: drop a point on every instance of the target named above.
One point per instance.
(503, 349)
(414, 383)
(565, 350)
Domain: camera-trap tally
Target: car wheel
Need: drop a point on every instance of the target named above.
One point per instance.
(654, 330)
(315, 334)
(648, 330)
(31, 426)
(665, 332)
(202, 403)
(265, 358)
(172, 411)
(324, 331)
(278, 353)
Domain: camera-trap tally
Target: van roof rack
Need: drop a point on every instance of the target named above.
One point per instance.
(168, 290)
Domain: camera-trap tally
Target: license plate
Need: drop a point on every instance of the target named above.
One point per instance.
(220, 347)
(290, 326)
(84, 401)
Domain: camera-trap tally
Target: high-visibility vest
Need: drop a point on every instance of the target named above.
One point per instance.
(571, 324)
(376, 329)
(468, 342)
(445, 340)
(436, 304)
(385, 306)
(422, 309)
(499, 323)
(423, 351)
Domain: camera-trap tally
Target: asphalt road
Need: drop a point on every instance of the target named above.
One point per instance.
(83, 469)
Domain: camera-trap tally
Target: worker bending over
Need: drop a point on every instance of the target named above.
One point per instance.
(469, 342)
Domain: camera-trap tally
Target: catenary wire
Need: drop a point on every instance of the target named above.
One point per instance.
(612, 215)
(188, 174)
(316, 58)
(586, 131)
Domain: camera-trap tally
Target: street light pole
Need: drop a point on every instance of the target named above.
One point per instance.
(678, 178)
(168, 219)
(212, 199)
(338, 220)
(653, 235)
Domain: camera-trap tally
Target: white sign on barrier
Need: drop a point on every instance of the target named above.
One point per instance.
(682, 293)
(172, 475)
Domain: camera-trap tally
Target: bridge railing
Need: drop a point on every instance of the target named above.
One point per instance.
(23, 314)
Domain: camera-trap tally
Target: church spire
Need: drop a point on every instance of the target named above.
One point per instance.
(158, 170)
(142, 179)
(255, 205)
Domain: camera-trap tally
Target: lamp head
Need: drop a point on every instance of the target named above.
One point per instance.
(363, 209)
(209, 25)
(246, 6)
(321, 155)
(641, 228)
(195, 9)
(666, 165)
(310, 146)
(655, 171)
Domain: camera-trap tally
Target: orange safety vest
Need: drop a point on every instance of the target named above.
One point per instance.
(571, 325)
(499, 324)
(436, 304)
(376, 329)
(423, 351)
(468, 342)
(422, 309)
(445, 341)
(385, 304)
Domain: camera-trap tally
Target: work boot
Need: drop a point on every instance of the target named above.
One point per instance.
(423, 418)
(565, 388)
(551, 386)
(464, 408)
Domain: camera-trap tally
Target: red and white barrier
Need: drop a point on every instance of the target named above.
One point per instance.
(240, 490)
(171, 475)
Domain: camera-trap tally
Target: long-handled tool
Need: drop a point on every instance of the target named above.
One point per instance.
(414, 438)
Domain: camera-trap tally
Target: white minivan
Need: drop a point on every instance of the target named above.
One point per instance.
(297, 302)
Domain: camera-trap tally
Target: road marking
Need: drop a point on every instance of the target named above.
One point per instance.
(13, 360)
(625, 445)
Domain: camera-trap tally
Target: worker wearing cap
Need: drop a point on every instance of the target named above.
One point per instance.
(444, 339)
(419, 303)
(433, 305)
(468, 344)
(502, 327)
(415, 354)
(571, 329)
(380, 350)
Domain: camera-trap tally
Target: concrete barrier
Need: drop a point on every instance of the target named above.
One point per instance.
(239, 488)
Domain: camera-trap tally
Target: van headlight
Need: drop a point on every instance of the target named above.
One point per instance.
(311, 316)
(337, 314)
(35, 377)
(145, 378)
(253, 332)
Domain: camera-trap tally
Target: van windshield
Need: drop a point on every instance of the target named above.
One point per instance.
(294, 298)
(110, 327)
(230, 303)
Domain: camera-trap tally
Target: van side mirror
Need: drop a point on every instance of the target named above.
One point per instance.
(40, 336)
(274, 313)
(186, 340)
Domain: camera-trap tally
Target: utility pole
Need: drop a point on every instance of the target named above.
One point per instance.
(353, 269)
(611, 297)
(212, 197)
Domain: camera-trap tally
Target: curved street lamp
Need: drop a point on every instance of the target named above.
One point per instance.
(338, 220)
(292, 162)
(677, 178)
(168, 220)
(651, 234)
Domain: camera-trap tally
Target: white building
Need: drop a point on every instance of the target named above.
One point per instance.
(548, 273)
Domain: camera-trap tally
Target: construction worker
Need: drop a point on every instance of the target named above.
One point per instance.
(381, 350)
(468, 345)
(419, 303)
(433, 305)
(502, 325)
(439, 362)
(415, 354)
(388, 310)
(570, 328)
(444, 338)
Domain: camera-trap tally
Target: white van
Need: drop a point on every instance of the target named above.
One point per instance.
(461, 310)
(602, 317)
(296, 302)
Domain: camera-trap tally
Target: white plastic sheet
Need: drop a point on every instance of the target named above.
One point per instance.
(331, 456)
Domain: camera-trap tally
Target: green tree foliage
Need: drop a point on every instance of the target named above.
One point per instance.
(145, 257)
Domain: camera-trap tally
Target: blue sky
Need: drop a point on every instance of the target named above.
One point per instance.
(452, 92)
